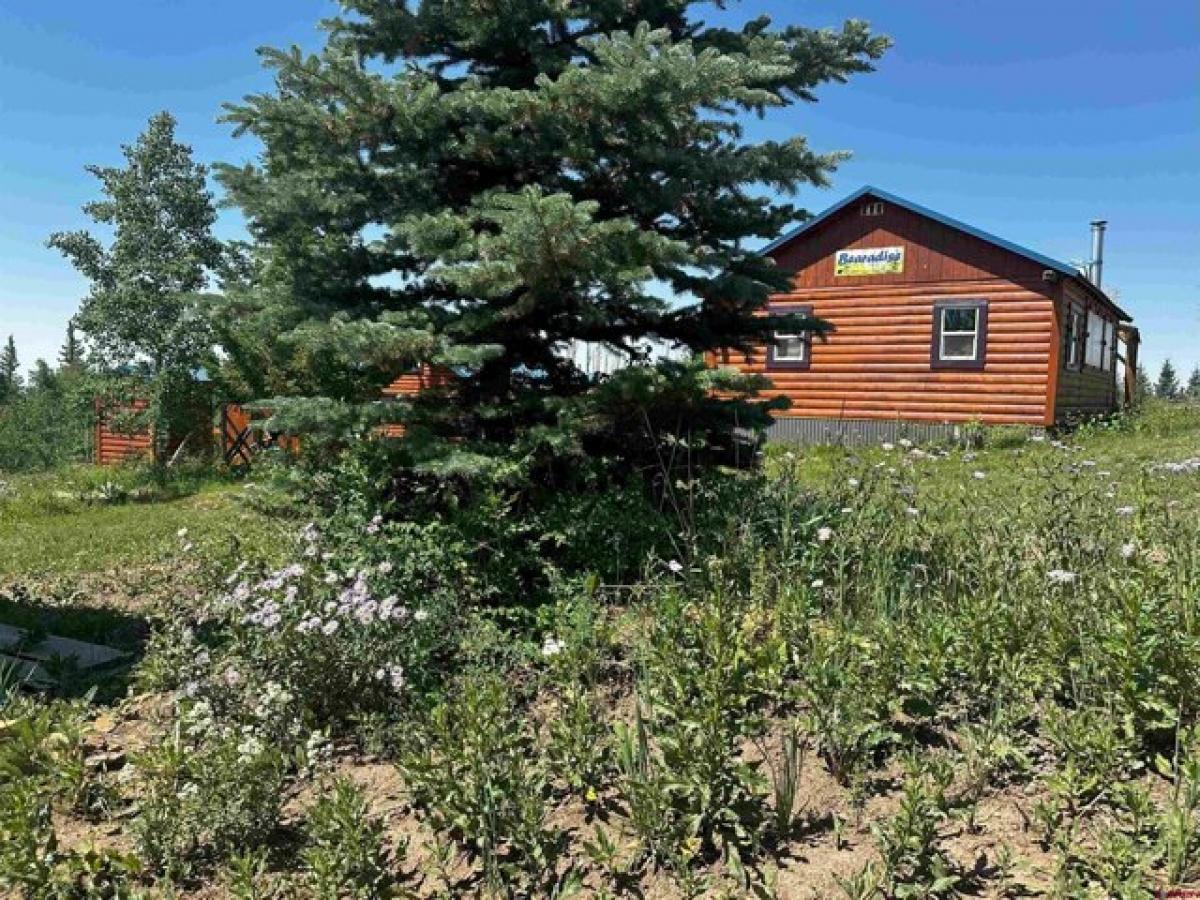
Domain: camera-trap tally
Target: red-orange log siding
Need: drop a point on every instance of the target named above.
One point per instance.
(423, 378)
(112, 447)
(876, 363)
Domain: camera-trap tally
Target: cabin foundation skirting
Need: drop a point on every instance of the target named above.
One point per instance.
(804, 431)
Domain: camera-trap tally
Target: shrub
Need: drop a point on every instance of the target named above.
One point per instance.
(914, 862)
(348, 630)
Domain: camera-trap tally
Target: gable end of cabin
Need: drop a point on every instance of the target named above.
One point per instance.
(934, 324)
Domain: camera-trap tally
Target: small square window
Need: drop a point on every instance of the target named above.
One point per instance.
(789, 349)
(959, 334)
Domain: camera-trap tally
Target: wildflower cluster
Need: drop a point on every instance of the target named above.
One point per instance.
(343, 629)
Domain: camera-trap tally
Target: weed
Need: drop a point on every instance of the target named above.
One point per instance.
(345, 855)
(206, 799)
(476, 772)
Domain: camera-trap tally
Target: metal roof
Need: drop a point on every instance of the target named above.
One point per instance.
(1041, 259)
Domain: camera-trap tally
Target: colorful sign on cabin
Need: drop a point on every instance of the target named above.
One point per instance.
(869, 261)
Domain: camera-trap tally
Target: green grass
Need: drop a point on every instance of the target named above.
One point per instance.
(87, 520)
(955, 647)
(1159, 432)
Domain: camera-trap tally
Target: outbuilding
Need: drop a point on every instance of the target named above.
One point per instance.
(935, 324)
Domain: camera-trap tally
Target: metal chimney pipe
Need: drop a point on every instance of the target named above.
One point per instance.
(1096, 266)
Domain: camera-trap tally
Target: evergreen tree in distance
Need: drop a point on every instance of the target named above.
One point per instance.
(71, 354)
(10, 370)
(1193, 385)
(1168, 383)
(42, 377)
(479, 186)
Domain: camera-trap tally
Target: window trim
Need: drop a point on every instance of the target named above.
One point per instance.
(1078, 336)
(795, 365)
(935, 349)
(1106, 323)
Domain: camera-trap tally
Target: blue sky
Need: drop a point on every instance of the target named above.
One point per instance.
(1027, 119)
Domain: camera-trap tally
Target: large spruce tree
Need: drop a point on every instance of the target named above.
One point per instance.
(476, 185)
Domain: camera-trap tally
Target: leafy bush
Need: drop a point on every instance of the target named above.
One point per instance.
(46, 427)
(346, 630)
(914, 863)
(689, 791)
(42, 773)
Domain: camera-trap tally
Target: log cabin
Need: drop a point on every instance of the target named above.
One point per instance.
(934, 324)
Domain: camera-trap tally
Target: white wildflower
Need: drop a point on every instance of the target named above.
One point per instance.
(1124, 512)
(330, 627)
(1128, 550)
(887, 445)
(912, 511)
(905, 443)
(675, 566)
(420, 615)
(824, 533)
(853, 482)
(978, 475)
(552, 647)
(385, 567)
(818, 583)
(396, 677)
(1061, 576)
(249, 748)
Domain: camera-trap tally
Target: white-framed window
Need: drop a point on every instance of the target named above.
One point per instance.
(959, 334)
(790, 347)
(1094, 353)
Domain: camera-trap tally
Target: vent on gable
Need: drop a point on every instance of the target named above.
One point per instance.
(872, 209)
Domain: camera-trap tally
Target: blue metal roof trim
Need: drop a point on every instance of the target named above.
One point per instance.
(1049, 262)
(1046, 261)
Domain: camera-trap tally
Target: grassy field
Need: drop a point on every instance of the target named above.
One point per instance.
(89, 521)
(882, 672)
